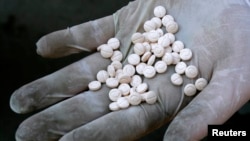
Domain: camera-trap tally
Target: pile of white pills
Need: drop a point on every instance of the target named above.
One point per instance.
(154, 50)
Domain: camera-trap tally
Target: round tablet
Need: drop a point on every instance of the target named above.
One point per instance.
(160, 66)
(146, 56)
(201, 83)
(139, 48)
(136, 80)
(122, 102)
(186, 54)
(124, 78)
(113, 106)
(166, 19)
(133, 59)
(171, 27)
(146, 46)
(149, 72)
(129, 70)
(153, 36)
(149, 25)
(150, 97)
(157, 21)
(140, 67)
(106, 51)
(189, 90)
(176, 79)
(102, 76)
(151, 60)
(94, 85)
(117, 65)
(176, 57)
(124, 88)
(141, 88)
(159, 51)
(134, 99)
(177, 46)
(112, 82)
(111, 70)
(180, 67)
(117, 56)
(171, 37)
(137, 38)
(168, 58)
(114, 43)
(114, 94)
(159, 11)
(191, 71)
(164, 41)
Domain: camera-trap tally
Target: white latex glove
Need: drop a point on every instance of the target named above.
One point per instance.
(217, 32)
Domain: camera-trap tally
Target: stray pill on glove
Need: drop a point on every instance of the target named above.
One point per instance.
(94, 85)
(191, 71)
(190, 90)
(200, 83)
(176, 79)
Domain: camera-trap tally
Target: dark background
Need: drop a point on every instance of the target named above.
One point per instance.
(22, 23)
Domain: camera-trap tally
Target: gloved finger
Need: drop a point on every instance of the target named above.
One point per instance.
(57, 86)
(123, 125)
(83, 37)
(214, 105)
(57, 120)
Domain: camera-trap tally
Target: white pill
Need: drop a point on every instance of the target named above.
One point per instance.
(102, 76)
(176, 57)
(124, 78)
(143, 87)
(151, 60)
(137, 38)
(136, 80)
(149, 25)
(113, 106)
(112, 82)
(114, 43)
(114, 94)
(139, 48)
(118, 73)
(157, 21)
(159, 51)
(189, 90)
(106, 51)
(146, 46)
(171, 37)
(166, 19)
(168, 58)
(186, 54)
(201, 83)
(94, 85)
(180, 67)
(191, 71)
(160, 31)
(159, 11)
(146, 56)
(177, 46)
(168, 49)
(129, 70)
(116, 64)
(124, 88)
(122, 102)
(171, 27)
(164, 41)
(153, 36)
(117, 56)
(134, 99)
(133, 59)
(160, 66)
(176, 79)
(149, 72)
(140, 67)
(111, 70)
(150, 97)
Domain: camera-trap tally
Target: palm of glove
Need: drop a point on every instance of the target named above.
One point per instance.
(217, 38)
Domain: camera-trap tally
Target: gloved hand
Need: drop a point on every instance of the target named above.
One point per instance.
(216, 31)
